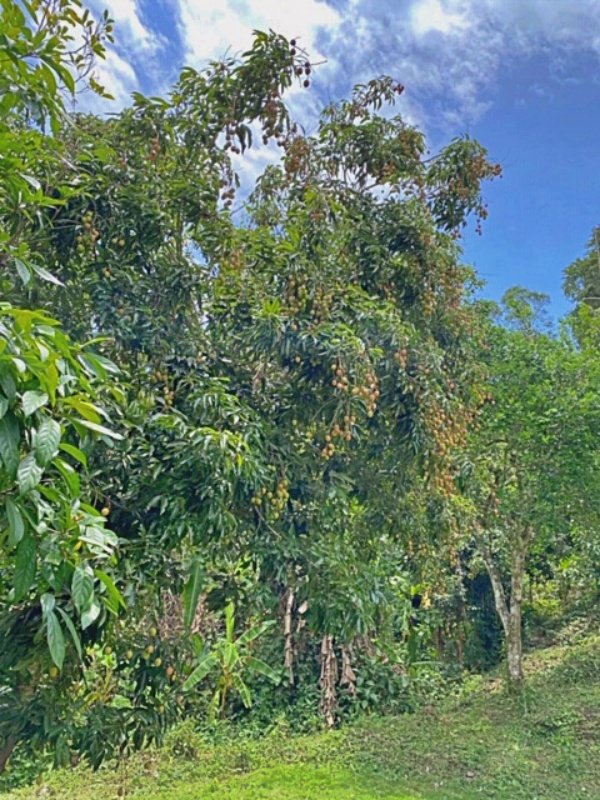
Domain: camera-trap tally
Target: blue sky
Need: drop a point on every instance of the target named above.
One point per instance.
(521, 76)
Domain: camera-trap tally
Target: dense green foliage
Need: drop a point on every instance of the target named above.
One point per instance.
(481, 744)
(286, 402)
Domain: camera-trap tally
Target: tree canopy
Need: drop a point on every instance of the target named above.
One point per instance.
(254, 433)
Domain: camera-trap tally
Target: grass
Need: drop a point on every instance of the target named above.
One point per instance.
(487, 744)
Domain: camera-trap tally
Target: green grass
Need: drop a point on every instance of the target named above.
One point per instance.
(299, 782)
(487, 744)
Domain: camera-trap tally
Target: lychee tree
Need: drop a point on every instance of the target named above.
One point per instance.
(291, 352)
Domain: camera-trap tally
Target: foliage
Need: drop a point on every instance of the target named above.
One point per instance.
(284, 399)
(582, 285)
(482, 744)
(57, 568)
(533, 469)
(232, 658)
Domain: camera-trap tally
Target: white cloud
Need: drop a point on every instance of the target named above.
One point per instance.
(118, 77)
(449, 53)
(135, 52)
(433, 15)
(208, 28)
(130, 30)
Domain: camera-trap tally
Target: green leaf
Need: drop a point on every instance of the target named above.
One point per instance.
(3, 406)
(91, 615)
(214, 704)
(9, 387)
(100, 538)
(71, 478)
(88, 410)
(232, 655)
(192, 590)
(243, 690)
(45, 275)
(56, 639)
(82, 588)
(204, 666)
(23, 271)
(92, 426)
(47, 441)
(229, 621)
(29, 474)
(32, 401)
(10, 435)
(114, 595)
(256, 665)
(48, 603)
(75, 452)
(121, 702)
(253, 633)
(98, 365)
(25, 566)
(71, 628)
(16, 526)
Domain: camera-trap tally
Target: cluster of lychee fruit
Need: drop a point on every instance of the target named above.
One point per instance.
(301, 70)
(275, 501)
(341, 432)
(159, 376)
(154, 149)
(369, 392)
(86, 240)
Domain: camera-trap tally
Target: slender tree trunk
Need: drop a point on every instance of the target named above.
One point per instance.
(329, 676)
(462, 614)
(439, 642)
(510, 609)
(514, 638)
(289, 644)
(6, 752)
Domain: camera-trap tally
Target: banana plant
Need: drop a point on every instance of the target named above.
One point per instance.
(230, 660)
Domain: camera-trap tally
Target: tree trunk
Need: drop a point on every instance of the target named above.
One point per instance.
(510, 611)
(287, 630)
(514, 643)
(329, 675)
(5, 753)
(514, 649)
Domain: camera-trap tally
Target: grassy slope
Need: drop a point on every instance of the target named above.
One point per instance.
(544, 746)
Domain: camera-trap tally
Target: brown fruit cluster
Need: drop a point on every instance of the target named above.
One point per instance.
(297, 156)
(230, 136)
(228, 196)
(154, 149)
(401, 357)
(368, 392)
(272, 118)
(340, 380)
(342, 432)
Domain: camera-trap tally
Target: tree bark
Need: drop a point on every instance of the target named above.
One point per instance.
(329, 675)
(5, 753)
(514, 643)
(287, 630)
(510, 609)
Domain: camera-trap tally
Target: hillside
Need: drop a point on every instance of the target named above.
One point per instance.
(545, 745)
